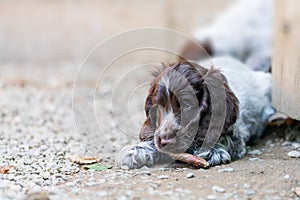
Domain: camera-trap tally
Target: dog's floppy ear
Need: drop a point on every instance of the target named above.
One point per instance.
(147, 130)
(149, 99)
(219, 90)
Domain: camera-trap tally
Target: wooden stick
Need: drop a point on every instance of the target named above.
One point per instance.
(183, 157)
(188, 158)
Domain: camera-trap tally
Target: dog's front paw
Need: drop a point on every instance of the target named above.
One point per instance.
(134, 157)
(216, 156)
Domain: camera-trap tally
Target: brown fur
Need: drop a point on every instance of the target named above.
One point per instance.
(195, 51)
(197, 77)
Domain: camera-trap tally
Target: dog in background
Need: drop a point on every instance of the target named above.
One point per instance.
(179, 112)
(243, 31)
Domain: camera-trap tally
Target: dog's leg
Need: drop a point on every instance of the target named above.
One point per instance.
(142, 154)
(228, 148)
(216, 156)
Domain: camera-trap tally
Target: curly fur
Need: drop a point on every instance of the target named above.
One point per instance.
(204, 111)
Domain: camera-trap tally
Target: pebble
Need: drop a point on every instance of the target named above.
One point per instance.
(190, 175)
(129, 192)
(170, 185)
(286, 144)
(296, 145)
(162, 177)
(14, 187)
(246, 186)
(45, 175)
(102, 193)
(228, 169)
(294, 154)
(58, 175)
(228, 195)
(10, 177)
(71, 184)
(218, 189)
(211, 197)
(125, 167)
(253, 159)
(169, 193)
(10, 157)
(38, 181)
(271, 191)
(145, 173)
(256, 159)
(60, 153)
(52, 165)
(163, 169)
(154, 185)
(144, 168)
(27, 162)
(286, 176)
(90, 184)
(293, 145)
(255, 152)
(249, 192)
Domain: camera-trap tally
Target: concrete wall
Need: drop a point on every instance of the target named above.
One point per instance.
(52, 30)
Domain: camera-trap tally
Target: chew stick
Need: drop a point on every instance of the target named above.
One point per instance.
(183, 157)
(188, 158)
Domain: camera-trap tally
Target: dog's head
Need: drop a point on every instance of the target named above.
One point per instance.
(178, 106)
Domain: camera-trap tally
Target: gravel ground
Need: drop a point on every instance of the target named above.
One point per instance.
(37, 133)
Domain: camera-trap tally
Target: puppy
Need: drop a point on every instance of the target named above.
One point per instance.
(206, 111)
(243, 31)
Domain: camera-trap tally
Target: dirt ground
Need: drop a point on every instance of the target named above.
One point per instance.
(270, 175)
(42, 124)
(37, 126)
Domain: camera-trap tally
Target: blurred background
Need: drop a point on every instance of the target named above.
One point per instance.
(35, 31)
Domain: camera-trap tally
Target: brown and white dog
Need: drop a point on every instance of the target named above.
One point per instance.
(205, 111)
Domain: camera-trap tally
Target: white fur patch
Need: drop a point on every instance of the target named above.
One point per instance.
(136, 156)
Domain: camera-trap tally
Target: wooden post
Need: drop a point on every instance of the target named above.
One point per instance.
(286, 60)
